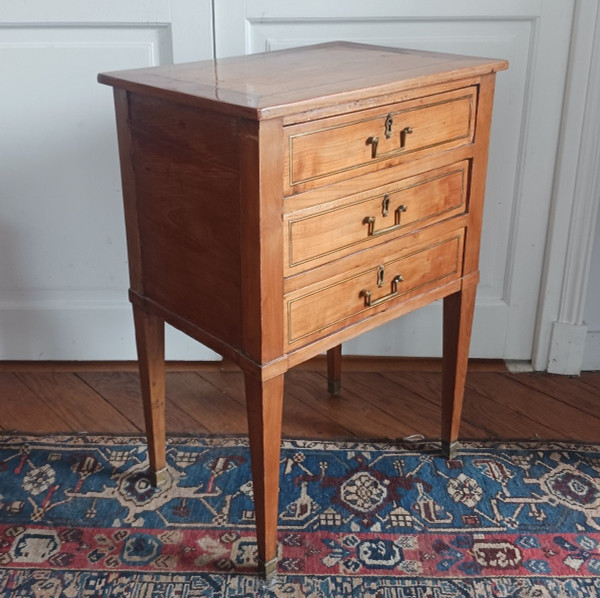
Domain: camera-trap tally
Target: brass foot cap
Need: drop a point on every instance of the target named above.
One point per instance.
(158, 478)
(450, 449)
(268, 569)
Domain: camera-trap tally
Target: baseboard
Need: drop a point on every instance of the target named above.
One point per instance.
(98, 326)
(81, 329)
(566, 349)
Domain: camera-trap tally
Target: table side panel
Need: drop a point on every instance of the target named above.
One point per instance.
(186, 164)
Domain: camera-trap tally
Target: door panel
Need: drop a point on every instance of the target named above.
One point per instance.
(63, 257)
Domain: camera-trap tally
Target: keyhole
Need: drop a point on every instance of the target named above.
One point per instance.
(380, 275)
(388, 126)
(385, 205)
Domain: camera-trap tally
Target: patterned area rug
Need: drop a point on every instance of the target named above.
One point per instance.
(78, 517)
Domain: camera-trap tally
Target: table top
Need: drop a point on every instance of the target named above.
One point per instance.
(275, 84)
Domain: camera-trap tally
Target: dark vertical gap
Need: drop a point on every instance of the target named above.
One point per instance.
(214, 29)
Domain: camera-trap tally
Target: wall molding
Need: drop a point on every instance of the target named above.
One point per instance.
(560, 327)
(86, 326)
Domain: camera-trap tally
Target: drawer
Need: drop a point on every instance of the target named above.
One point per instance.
(317, 235)
(318, 152)
(323, 308)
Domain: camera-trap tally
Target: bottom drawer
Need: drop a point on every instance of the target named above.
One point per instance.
(330, 306)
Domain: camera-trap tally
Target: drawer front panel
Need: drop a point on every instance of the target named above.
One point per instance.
(337, 144)
(333, 306)
(313, 237)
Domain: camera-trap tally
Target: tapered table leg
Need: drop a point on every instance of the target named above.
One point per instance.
(334, 371)
(264, 404)
(149, 334)
(458, 317)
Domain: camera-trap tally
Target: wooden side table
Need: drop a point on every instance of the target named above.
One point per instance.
(279, 204)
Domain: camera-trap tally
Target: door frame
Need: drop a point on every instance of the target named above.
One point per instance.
(560, 337)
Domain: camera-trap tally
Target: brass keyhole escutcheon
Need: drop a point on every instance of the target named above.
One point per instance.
(380, 275)
(385, 205)
(388, 126)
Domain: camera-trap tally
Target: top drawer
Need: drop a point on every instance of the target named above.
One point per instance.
(325, 151)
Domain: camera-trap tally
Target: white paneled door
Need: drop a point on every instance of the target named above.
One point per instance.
(534, 35)
(63, 269)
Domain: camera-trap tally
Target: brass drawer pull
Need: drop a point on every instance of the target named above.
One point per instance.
(403, 135)
(373, 141)
(367, 294)
(370, 220)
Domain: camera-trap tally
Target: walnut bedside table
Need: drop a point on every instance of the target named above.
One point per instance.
(279, 204)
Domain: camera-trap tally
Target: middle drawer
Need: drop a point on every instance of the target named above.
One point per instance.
(319, 234)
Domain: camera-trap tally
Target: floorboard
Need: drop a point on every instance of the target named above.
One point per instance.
(562, 419)
(119, 389)
(396, 399)
(298, 420)
(415, 414)
(23, 410)
(205, 404)
(492, 417)
(589, 379)
(351, 411)
(577, 395)
(79, 407)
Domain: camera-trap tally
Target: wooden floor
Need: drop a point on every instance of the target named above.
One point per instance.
(381, 399)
